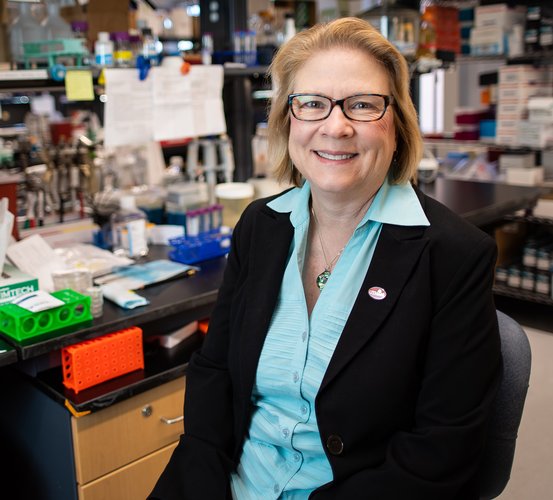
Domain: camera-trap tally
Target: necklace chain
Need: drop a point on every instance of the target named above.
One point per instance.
(323, 277)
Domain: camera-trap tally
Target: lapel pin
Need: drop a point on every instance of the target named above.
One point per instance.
(377, 293)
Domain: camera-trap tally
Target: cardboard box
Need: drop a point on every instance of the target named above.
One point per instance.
(540, 110)
(14, 283)
(486, 41)
(524, 176)
(499, 15)
(521, 73)
(516, 160)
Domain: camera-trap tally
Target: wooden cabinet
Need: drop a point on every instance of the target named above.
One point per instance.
(120, 451)
(131, 482)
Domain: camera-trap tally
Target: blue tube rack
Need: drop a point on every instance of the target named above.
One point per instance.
(205, 246)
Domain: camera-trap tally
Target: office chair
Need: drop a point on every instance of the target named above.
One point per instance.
(495, 470)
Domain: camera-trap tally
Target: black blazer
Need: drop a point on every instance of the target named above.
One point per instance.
(404, 404)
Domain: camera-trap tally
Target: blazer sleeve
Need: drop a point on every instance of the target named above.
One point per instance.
(437, 459)
(200, 465)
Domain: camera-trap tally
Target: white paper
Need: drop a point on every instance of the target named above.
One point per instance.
(188, 105)
(35, 257)
(44, 104)
(129, 108)
(166, 105)
(37, 301)
(6, 226)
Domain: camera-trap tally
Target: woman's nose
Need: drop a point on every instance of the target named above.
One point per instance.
(337, 124)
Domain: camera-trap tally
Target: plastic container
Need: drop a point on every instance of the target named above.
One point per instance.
(260, 150)
(207, 48)
(78, 280)
(94, 361)
(122, 51)
(103, 50)
(21, 324)
(56, 27)
(149, 47)
(31, 28)
(234, 197)
(128, 226)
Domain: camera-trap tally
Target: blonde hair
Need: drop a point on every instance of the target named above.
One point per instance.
(348, 33)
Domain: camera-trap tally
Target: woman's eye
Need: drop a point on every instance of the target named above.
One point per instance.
(363, 105)
(312, 104)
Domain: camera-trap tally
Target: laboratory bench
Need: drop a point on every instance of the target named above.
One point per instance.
(111, 440)
(114, 439)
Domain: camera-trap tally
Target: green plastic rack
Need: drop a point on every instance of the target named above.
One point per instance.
(21, 324)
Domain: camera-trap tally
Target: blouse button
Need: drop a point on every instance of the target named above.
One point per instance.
(334, 444)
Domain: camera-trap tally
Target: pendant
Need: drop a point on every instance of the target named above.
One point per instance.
(323, 278)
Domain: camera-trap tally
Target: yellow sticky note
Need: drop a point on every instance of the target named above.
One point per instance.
(79, 86)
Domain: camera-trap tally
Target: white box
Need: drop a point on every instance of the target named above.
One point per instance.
(510, 109)
(14, 282)
(500, 15)
(543, 208)
(540, 109)
(506, 138)
(527, 160)
(524, 176)
(521, 92)
(487, 41)
(536, 135)
(521, 73)
(174, 338)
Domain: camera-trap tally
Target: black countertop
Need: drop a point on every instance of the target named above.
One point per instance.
(482, 203)
(8, 354)
(178, 296)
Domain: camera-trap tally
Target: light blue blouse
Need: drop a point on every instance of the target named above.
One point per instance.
(283, 456)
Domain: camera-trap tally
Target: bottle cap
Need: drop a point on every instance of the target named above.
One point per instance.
(127, 202)
(103, 36)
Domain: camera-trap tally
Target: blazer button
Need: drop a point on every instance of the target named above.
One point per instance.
(334, 444)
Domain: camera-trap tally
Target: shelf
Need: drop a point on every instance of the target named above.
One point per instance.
(8, 354)
(520, 294)
(161, 365)
(529, 218)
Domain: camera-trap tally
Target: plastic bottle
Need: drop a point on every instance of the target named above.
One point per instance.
(79, 29)
(207, 48)
(122, 53)
(289, 26)
(103, 50)
(128, 226)
(427, 37)
(56, 27)
(16, 36)
(149, 47)
(31, 28)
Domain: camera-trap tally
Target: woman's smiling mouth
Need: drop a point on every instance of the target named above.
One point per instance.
(335, 156)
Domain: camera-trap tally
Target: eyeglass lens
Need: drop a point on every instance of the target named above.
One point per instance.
(367, 107)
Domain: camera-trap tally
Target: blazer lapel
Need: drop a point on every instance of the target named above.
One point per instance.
(270, 247)
(397, 252)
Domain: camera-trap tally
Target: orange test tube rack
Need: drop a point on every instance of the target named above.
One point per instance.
(94, 361)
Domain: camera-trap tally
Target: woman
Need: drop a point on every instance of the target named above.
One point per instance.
(353, 351)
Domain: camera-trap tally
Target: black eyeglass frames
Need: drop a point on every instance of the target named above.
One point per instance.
(359, 107)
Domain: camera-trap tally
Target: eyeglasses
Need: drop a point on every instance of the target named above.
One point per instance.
(359, 108)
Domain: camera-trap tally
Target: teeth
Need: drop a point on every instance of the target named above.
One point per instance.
(335, 157)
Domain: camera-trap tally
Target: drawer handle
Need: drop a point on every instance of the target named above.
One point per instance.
(171, 421)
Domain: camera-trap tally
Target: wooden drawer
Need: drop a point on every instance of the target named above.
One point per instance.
(132, 482)
(124, 432)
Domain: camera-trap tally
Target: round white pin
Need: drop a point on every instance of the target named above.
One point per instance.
(377, 293)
